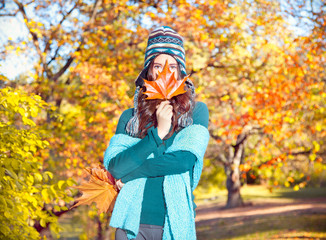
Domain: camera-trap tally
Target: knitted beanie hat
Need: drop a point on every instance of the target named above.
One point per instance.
(162, 40)
(166, 40)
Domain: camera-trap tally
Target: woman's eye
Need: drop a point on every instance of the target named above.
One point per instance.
(173, 67)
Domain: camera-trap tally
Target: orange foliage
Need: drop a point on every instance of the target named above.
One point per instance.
(165, 86)
(100, 189)
(245, 63)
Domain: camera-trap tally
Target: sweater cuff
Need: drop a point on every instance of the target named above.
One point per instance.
(157, 139)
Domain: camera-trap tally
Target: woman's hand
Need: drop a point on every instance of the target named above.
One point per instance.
(164, 115)
(119, 184)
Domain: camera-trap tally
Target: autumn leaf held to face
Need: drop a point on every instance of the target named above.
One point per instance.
(165, 86)
(100, 189)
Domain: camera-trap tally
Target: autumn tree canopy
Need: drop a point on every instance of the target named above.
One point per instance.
(264, 82)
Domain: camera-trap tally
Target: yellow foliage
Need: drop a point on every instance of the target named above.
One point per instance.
(22, 180)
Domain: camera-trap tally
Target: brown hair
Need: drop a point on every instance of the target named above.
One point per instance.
(147, 108)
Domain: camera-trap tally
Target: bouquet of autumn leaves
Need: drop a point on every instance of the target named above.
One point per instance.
(102, 188)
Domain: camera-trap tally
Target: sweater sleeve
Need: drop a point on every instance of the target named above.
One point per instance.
(133, 157)
(166, 164)
(174, 162)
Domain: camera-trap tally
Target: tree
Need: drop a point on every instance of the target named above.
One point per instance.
(252, 74)
(85, 58)
(27, 191)
(246, 63)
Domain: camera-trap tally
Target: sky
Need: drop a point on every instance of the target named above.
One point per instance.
(14, 28)
(13, 65)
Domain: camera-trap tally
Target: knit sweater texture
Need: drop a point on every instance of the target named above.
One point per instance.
(179, 220)
(132, 164)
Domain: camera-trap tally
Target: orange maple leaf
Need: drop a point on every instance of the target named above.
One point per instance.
(165, 86)
(100, 189)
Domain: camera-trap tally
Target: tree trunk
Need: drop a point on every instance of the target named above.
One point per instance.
(99, 229)
(232, 170)
(233, 185)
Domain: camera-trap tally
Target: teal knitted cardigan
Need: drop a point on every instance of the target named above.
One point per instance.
(179, 220)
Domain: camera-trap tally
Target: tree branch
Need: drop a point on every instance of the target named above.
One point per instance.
(307, 152)
(96, 6)
(223, 159)
(9, 14)
(21, 9)
(56, 76)
(48, 44)
(55, 55)
(208, 65)
(215, 137)
(247, 131)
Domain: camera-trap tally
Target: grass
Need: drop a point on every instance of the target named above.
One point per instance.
(258, 193)
(294, 226)
(290, 225)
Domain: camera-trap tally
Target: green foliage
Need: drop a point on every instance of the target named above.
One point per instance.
(296, 176)
(213, 176)
(27, 193)
(317, 175)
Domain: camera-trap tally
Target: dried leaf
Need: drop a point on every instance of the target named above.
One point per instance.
(101, 173)
(100, 189)
(165, 86)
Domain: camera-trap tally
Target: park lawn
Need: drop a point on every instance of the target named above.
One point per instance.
(290, 225)
(258, 193)
(284, 226)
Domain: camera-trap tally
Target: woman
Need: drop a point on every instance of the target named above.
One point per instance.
(157, 151)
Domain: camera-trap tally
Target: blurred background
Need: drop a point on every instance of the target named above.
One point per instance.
(67, 70)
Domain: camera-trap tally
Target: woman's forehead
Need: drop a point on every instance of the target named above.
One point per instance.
(163, 57)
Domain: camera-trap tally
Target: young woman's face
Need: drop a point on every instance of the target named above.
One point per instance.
(159, 62)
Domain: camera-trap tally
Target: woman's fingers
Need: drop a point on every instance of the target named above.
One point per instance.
(119, 184)
(164, 115)
(163, 106)
(166, 111)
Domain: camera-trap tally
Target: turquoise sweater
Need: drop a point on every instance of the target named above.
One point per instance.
(132, 163)
(179, 223)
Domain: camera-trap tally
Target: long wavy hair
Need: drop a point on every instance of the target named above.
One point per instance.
(147, 108)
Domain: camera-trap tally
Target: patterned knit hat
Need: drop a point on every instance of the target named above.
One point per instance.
(162, 40)
(165, 40)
